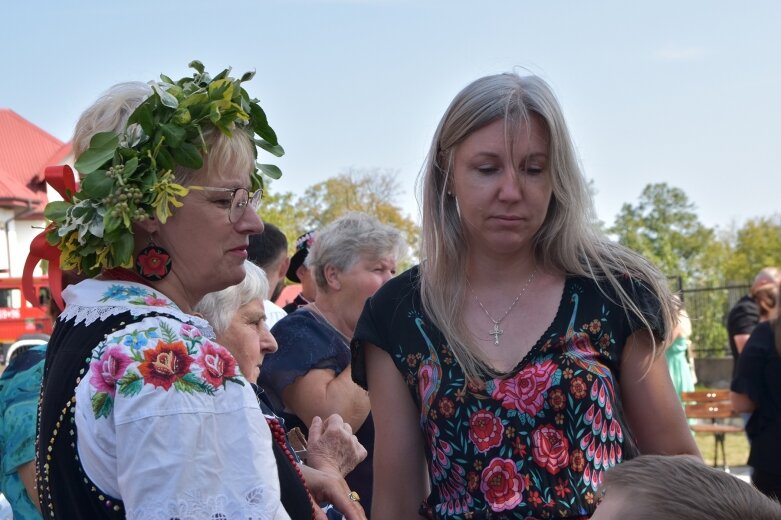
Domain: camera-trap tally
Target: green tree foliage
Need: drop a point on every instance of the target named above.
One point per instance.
(664, 227)
(756, 245)
(372, 191)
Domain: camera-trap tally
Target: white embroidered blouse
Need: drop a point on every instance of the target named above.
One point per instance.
(165, 420)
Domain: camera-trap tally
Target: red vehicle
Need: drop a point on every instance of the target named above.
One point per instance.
(17, 317)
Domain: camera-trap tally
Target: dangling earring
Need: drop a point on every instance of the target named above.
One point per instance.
(153, 262)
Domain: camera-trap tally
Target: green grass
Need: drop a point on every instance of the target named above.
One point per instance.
(735, 445)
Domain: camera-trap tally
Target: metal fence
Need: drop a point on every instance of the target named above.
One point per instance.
(708, 308)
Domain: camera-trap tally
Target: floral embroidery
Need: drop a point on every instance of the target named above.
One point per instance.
(485, 430)
(135, 295)
(526, 391)
(550, 449)
(501, 484)
(108, 369)
(535, 443)
(166, 364)
(160, 357)
(218, 364)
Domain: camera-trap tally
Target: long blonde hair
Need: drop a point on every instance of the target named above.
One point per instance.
(568, 239)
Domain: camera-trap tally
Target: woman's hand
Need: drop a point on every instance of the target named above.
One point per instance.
(326, 487)
(332, 447)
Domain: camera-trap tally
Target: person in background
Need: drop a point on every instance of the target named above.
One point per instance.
(20, 384)
(679, 487)
(746, 313)
(298, 272)
(268, 250)
(523, 357)
(679, 353)
(310, 374)
(756, 390)
(138, 418)
(237, 314)
(20, 387)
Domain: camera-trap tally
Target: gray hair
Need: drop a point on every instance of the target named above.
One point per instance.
(110, 113)
(219, 308)
(568, 239)
(344, 241)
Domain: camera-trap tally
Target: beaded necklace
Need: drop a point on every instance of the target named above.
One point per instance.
(278, 433)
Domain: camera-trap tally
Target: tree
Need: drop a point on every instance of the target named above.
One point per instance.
(372, 191)
(756, 245)
(665, 229)
(284, 210)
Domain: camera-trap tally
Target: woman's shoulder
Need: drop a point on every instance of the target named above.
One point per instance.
(402, 288)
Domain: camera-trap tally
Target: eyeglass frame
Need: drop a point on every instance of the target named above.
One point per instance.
(253, 198)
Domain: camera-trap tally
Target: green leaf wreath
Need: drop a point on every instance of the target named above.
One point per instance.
(130, 177)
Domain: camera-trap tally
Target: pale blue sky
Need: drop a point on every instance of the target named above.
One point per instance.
(687, 93)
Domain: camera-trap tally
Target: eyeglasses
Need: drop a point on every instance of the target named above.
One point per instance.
(240, 199)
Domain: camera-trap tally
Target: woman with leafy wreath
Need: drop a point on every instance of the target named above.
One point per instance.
(143, 414)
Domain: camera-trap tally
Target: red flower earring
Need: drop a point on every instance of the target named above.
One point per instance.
(153, 262)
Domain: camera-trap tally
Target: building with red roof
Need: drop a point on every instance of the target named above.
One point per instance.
(25, 152)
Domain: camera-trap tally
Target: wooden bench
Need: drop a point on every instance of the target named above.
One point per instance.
(713, 413)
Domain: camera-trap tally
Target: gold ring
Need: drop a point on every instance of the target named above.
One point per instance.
(354, 496)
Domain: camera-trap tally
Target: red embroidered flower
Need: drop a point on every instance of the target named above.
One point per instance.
(534, 498)
(562, 490)
(550, 449)
(153, 263)
(524, 392)
(604, 340)
(446, 407)
(217, 363)
(519, 448)
(501, 485)
(577, 461)
(164, 364)
(557, 399)
(485, 430)
(578, 388)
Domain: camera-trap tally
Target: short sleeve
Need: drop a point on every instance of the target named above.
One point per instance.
(647, 301)
(743, 317)
(304, 344)
(752, 362)
(380, 316)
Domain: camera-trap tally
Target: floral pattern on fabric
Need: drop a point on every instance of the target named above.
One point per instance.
(135, 295)
(535, 443)
(161, 357)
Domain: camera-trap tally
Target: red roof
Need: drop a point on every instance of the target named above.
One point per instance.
(25, 152)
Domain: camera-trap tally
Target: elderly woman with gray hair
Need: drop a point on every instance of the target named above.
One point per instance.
(239, 320)
(310, 374)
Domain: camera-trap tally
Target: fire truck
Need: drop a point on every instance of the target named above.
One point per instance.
(18, 318)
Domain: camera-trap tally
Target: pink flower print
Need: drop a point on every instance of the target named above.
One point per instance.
(217, 363)
(108, 369)
(153, 301)
(190, 332)
(502, 485)
(525, 392)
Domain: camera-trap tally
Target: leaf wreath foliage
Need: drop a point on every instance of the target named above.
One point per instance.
(130, 177)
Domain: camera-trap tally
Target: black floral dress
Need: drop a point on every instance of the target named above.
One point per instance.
(532, 444)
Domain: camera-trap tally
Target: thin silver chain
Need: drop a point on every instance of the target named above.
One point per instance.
(319, 313)
(496, 330)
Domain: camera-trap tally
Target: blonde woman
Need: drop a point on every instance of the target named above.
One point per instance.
(522, 358)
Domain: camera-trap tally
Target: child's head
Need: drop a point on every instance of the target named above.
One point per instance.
(679, 487)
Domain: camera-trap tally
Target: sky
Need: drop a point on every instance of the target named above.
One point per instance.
(686, 93)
